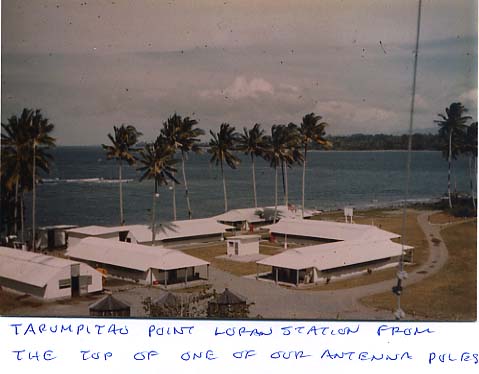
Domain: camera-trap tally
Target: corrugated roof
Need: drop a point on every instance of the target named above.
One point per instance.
(178, 229)
(334, 255)
(30, 267)
(253, 215)
(132, 256)
(329, 230)
(164, 230)
(95, 230)
(109, 303)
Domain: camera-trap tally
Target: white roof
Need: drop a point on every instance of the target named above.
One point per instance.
(334, 255)
(164, 230)
(57, 227)
(253, 215)
(132, 256)
(329, 230)
(178, 229)
(30, 267)
(94, 230)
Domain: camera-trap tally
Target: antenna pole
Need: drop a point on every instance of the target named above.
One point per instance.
(401, 274)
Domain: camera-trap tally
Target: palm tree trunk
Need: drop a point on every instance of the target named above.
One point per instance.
(224, 187)
(471, 181)
(286, 193)
(22, 219)
(449, 170)
(153, 218)
(304, 180)
(122, 219)
(254, 181)
(174, 201)
(275, 194)
(284, 184)
(15, 211)
(34, 198)
(190, 213)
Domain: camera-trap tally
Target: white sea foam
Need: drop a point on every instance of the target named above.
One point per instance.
(84, 180)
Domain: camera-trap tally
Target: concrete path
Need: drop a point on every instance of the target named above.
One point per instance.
(272, 301)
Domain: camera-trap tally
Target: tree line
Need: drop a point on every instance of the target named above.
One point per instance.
(26, 140)
(385, 142)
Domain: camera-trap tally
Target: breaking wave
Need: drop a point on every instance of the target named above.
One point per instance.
(84, 180)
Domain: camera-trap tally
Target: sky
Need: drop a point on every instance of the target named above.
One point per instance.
(92, 65)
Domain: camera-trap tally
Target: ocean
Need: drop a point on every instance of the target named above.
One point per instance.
(82, 188)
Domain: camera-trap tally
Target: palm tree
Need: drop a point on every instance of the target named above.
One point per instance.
(15, 142)
(452, 125)
(122, 140)
(220, 147)
(170, 133)
(183, 135)
(311, 131)
(469, 147)
(292, 141)
(26, 139)
(40, 129)
(278, 152)
(251, 142)
(157, 160)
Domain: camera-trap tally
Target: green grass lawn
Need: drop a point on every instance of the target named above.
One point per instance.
(449, 294)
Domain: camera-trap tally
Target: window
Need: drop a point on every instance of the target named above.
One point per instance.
(64, 283)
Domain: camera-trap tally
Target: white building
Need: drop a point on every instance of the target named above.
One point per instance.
(243, 219)
(174, 233)
(179, 233)
(312, 264)
(140, 263)
(316, 231)
(46, 277)
(53, 236)
(242, 245)
(104, 232)
(330, 249)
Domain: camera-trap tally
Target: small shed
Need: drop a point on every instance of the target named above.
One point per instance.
(228, 305)
(51, 237)
(242, 245)
(109, 307)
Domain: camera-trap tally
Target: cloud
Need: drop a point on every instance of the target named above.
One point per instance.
(469, 96)
(242, 88)
(347, 117)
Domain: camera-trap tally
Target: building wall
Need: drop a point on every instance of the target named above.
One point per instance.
(312, 275)
(22, 287)
(244, 247)
(97, 278)
(121, 272)
(174, 243)
(59, 285)
(331, 273)
(53, 290)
